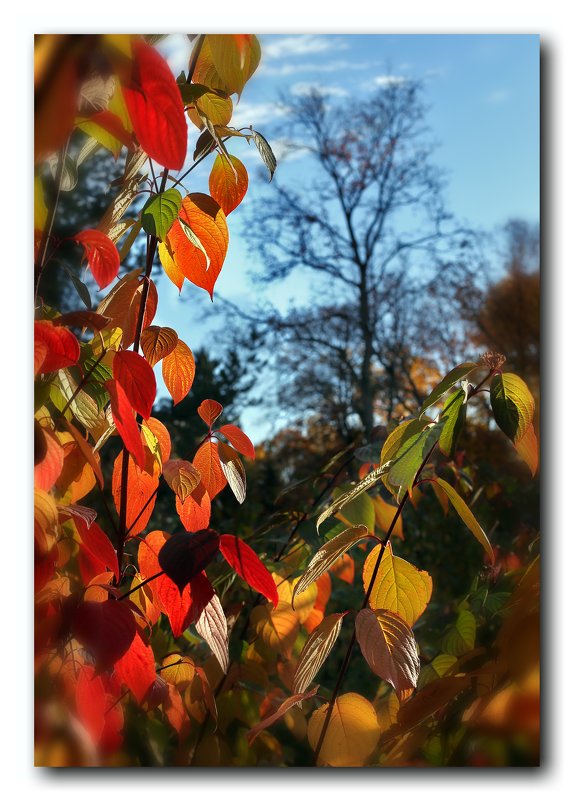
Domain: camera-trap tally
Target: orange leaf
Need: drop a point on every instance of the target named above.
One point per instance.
(207, 221)
(161, 433)
(157, 342)
(206, 460)
(195, 511)
(228, 188)
(239, 440)
(141, 487)
(249, 566)
(47, 471)
(122, 306)
(178, 371)
(209, 411)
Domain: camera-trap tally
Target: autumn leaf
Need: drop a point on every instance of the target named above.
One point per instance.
(96, 544)
(209, 411)
(249, 566)
(212, 626)
(185, 555)
(466, 516)
(447, 383)
(228, 182)
(399, 586)
(101, 254)
(206, 460)
(178, 371)
(352, 734)
(137, 380)
(122, 305)
(178, 669)
(106, 629)
(239, 440)
(328, 554)
(155, 107)
(233, 470)
(281, 710)
(157, 342)
(316, 650)
(195, 511)
(136, 668)
(206, 220)
(61, 348)
(512, 405)
(91, 702)
(389, 647)
(125, 421)
(141, 489)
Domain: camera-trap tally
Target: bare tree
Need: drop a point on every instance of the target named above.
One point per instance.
(370, 229)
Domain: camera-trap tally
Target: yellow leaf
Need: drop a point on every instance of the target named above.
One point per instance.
(399, 586)
(278, 628)
(178, 669)
(352, 734)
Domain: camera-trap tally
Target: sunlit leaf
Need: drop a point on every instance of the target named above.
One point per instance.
(399, 586)
(137, 380)
(101, 254)
(389, 647)
(181, 476)
(410, 457)
(178, 371)
(466, 516)
(61, 346)
(527, 449)
(447, 383)
(206, 460)
(352, 734)
(209, 411)
(328, 554)
(185, 555)
(158, 342)
(454, 417)
(212, 627)
(140, 494)
(288, 704)
(239, 440)
(233, 470)
(369, 481)
(125, 421)
(249, 566)
(160, 212)
(136, 668)
(226, 186)
(316, 650)
(512, 405)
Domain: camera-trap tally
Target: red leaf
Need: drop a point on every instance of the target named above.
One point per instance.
(155, 108)
(137, 379)
(91, 702)
(97, 545)
(136, 668)
(48, 470)
(177, 606)
(249, 566)
(209, 411)
(206, 460)
(125, 421)
(239, 440)
(195, 511)
(62, 347)
(102, 255)
(185, 555)
(201, 594)
(106, 629)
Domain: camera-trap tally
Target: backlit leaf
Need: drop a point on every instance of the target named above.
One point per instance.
(239, 440)
(369, 481)
(155, 108)
(101, 254)
(160, 212)
(206, 220)
(158, 342)
(249, 566)
(316, 650)
(527, 449)
(461, 637)
(454, 417)
(399, 586)
(209, 411)
(181, 476)
(278, 628)
(448, 382)
(172, 271)
(195, 511)
(136, 668)
(178, 669)
(125, 421)
(141, 488)
(178, 371)
(122, 304)
(227, 187)
(206, 460)
(410, 457)
(512, 405)
(466, 516)
(352, 734)
(389, 647)
(265, 152)
(137, 379)
(234, 61)
(61, 346)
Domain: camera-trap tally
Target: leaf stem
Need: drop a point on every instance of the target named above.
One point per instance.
(43, 247)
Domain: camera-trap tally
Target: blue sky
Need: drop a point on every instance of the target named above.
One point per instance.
(483, 96)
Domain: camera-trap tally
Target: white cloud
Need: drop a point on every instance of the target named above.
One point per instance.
(256, 114)
(389, 80)
(498, 96)
(330, 66)
(306, 88)
(301, 45)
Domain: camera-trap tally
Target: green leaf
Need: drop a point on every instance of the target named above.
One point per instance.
(399, 436)
(265, 152)
(359, 511)
(461, 637)
(410, 457)
(512, 405)
(466, 516)
(190, 92)
(160, 212)
(79, 286)
(448, 382)
(454, 417)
